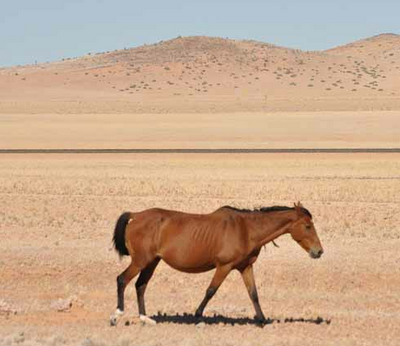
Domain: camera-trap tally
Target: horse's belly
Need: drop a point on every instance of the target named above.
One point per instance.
(188, 248)
(188, 261)
(190, 269)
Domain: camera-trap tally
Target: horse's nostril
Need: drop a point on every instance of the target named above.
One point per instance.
(320, 252)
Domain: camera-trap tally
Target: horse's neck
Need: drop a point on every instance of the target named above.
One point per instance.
(266, 227)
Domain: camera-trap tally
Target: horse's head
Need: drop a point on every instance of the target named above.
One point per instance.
(304, 233)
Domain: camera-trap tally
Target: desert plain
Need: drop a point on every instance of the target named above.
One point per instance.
(57, 211)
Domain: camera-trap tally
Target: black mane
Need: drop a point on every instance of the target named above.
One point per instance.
(267, 209)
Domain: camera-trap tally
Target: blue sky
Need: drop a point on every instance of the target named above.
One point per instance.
(48, 30)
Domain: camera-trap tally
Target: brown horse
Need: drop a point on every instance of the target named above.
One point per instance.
(226, 239)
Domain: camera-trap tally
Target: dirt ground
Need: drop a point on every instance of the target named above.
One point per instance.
(207, 130)
(58, 268)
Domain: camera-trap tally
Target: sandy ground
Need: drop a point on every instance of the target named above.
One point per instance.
(57, 214)
(228, 130)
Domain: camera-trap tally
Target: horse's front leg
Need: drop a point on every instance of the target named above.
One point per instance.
(248, 278)
(220, 274)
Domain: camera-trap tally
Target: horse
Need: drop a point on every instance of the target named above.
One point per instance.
(226, 239)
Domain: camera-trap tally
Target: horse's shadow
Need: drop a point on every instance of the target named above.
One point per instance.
(216, 319)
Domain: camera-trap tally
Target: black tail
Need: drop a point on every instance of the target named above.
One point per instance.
(119, 234)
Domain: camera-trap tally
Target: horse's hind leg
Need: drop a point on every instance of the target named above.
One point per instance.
(141, 285)
(220, 274)
(122, 281)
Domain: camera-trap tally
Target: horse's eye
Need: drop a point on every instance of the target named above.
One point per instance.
(308, 227)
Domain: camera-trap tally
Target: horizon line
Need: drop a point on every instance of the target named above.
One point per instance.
(196, 36)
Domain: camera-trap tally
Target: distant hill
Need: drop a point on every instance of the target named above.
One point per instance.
(196, 74)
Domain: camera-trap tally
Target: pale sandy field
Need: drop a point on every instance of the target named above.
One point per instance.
(206, 130)
(57, 214)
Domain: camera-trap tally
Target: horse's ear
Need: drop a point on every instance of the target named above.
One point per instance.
(297, 208)
(299, 204)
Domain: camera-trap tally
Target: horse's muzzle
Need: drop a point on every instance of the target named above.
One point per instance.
(316, 253)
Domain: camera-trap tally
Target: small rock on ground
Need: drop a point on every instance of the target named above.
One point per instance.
(6, 308)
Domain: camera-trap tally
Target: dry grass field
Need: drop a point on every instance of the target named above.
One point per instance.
(58, 268)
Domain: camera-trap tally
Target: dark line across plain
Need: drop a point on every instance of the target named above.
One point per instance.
(203, 151)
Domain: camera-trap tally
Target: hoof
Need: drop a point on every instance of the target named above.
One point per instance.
(200, 325)
(113, 321)
(147, 320)
(114, 318)
(260, 322)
